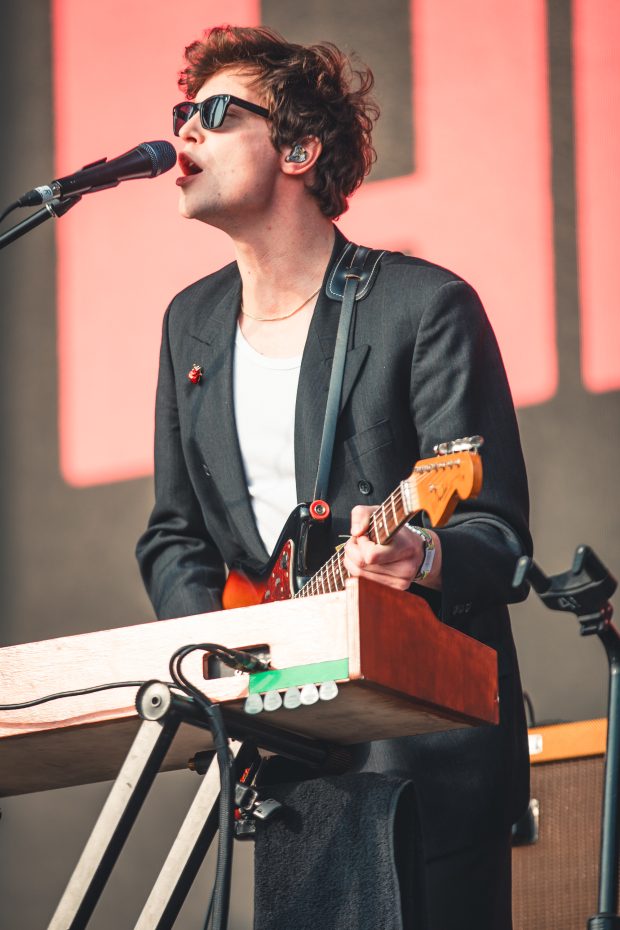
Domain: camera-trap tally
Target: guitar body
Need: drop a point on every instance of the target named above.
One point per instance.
(303, 546)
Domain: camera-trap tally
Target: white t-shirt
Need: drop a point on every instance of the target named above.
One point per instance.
(264, 394)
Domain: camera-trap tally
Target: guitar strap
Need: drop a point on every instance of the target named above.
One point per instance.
(351, 280)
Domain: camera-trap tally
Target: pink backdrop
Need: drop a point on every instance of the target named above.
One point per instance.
(479, 200)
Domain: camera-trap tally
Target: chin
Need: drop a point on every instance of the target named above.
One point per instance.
(199, 211)
(189, 212)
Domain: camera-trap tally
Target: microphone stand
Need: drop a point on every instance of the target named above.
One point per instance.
(585, 591)
(55, 208)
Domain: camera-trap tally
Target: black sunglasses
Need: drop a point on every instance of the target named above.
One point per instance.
(212, 111)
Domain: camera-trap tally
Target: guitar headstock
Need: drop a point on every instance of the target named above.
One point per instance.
(455, 473)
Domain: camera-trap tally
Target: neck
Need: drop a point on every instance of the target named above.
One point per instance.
(281, 264)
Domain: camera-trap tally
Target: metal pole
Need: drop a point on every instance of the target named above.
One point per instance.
(607, 917)
(55, 208)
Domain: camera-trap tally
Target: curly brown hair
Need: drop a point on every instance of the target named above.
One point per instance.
(309, 90)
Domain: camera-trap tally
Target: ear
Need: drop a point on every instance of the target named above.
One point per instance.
(312, 148)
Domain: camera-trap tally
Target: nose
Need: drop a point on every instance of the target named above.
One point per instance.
(192, 130)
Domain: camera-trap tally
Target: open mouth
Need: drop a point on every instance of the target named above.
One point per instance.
(188, 166)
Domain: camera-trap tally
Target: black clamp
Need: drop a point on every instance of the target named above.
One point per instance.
(583, 590)
(249, 808)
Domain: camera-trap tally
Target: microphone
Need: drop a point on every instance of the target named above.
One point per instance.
(147, 160)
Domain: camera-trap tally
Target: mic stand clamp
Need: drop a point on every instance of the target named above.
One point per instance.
(585, 591)
(249, 808)
(55, 208)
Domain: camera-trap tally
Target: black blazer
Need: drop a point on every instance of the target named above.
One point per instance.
(423, 367)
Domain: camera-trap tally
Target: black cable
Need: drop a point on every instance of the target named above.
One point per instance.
(220, 899)
(223, 870)
(235, 658)
(529, 707)
(9, 209)
(77, 693)
(205, 926)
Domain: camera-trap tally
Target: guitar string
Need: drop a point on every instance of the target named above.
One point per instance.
(337, 558)
(312, 587)
(335, 561)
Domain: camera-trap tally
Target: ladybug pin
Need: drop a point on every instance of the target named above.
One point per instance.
(195, 374)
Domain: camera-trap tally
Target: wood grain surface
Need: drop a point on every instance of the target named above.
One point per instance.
(408, 674)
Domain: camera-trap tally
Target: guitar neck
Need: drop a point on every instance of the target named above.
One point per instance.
(435, 486)
(399, 507)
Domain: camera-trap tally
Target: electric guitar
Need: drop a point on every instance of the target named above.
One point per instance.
(435, 486)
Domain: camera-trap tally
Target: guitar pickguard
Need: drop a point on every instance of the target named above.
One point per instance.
(280, 584)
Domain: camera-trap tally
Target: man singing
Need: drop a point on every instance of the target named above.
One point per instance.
(275, 138)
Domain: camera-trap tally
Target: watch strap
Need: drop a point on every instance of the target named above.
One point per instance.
(429, 551)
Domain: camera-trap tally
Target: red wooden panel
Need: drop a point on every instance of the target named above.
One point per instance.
(406, 649)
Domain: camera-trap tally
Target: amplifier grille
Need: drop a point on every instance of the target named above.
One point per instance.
(555, 881)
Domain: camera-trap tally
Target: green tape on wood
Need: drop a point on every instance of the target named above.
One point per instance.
(298, 675)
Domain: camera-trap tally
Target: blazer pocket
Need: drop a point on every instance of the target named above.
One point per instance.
(367, 440)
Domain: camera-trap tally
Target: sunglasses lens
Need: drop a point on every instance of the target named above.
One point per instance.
(214, 111)
(180, 115)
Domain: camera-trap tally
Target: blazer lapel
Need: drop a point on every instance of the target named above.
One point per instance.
(213, 419)
(213, 409)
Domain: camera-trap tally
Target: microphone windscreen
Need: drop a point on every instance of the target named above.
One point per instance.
(162, 156)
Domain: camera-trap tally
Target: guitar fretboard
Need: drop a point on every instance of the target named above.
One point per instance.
(433, 478)
(384, 521)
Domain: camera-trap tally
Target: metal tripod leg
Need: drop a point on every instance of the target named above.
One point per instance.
(115, 821)
(162, 711)
(189, 848)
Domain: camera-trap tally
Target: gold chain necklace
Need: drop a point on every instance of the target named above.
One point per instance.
(276, 319)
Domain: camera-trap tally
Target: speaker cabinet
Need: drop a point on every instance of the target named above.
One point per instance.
(555, 879)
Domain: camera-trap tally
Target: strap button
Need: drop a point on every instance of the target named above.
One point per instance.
(364, 487)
